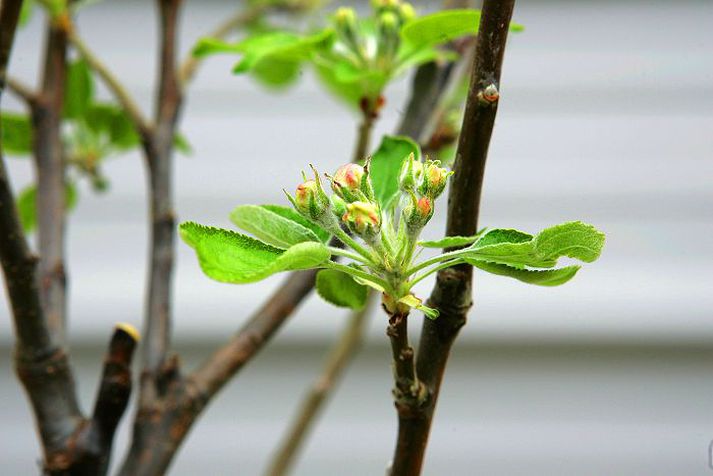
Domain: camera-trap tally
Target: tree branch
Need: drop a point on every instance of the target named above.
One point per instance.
(340, 356)
(22, 91)
(452, 293)
(142, 125)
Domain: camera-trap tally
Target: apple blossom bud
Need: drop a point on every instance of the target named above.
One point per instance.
(388, 26)
(434, 179)
(406, 12)
(345, 21)
(348, 182)
(418, 213)
(362, 218)
(411, 173)
(310, 199)
(339, 207)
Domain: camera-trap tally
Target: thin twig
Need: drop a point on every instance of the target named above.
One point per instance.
(452, 293)
(341, 354)
(22, 91)
(124, 98)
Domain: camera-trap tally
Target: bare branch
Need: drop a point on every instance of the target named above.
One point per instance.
(341, 354)
(141, 124)
(22, 91)
(452, 293)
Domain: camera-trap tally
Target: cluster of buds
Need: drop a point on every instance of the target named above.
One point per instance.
(353, 202)
(423, 183)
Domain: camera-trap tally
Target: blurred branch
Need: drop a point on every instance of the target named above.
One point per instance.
(340, 356)
(22, 91)
(452, 292)
(142, 125)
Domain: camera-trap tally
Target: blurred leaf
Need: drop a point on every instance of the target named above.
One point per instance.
(15, 133)
(28, 7)
(340, 289)
(276, 73)
(282, 46)
(78, 89)
(180, 142)
(27, 204)
(441, 27)
(386, 165)
(230, 257)
(112, 121)
(270, 227)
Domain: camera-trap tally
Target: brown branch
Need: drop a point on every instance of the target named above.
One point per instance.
(341, 354)
(452, 293)
(22, 91)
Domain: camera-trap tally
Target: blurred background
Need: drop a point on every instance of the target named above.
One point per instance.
(606, 116)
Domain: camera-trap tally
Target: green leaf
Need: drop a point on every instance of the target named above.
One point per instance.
(212, 46)
(27, 208)
(26, 12)
(452, 241)
(27, 205)
(270, 227)
(280, 46)
(442, 27)
(548, 277)
(16, 133)
(111, 120)
(340, 289)
(276, 73)
(573, 239)
(291, 214)
(386, 165)
(518, 249)
(349, 92)
(230, 257)
(78, 89)
(180, 142)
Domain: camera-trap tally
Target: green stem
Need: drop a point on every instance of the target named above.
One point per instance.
(353, 244)
(441, 266)
(436, 259)
(360, 274)
(348, 254)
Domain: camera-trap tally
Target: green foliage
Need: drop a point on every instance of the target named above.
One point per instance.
(354, 57)
(386, 164)
(271, 227)
(548, 277)
(78, 89)
(28, 6)
(340, 289)
(230, 257)
(451, 241)
(27, 205)
(16, 133)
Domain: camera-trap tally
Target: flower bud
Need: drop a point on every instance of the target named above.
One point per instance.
(310, 199)
(418, 213)
(406, 12)
(388, 26)
(345, 21)
(434, 179)
(339, 207)
(411, 174)
(362, 218)
(348, 182)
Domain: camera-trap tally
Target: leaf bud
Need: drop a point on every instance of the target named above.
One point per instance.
(362, 218)
(411, 173)
(435, 178)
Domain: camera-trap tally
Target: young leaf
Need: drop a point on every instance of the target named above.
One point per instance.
(230, 257)
(452, 241)
(27, 205)
(281, 46)
(442, 27)
(292, 214)
(109, 119)
(340, 289)
(78, 89)
(548, 277)
(16, 135)
(573, 239)
(515, 248)
(180, 142)
(271, 227)
(386, 165)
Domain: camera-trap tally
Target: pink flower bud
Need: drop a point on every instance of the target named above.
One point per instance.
(310, 199)
(418, 213)
(347, 182)
(362, 218)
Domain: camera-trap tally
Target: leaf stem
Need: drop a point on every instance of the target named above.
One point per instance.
(360, 274)
(347, 254)
(436, 259)
(352, 243)
(429, 272)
